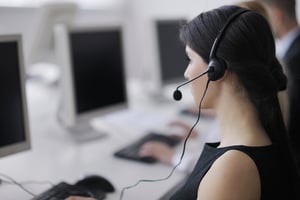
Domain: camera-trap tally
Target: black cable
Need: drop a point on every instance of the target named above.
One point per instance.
(32, 182)
(18, 184)
(182, 154)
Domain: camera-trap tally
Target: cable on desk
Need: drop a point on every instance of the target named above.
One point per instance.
(32, 182)
(12, 181)
(182, 154)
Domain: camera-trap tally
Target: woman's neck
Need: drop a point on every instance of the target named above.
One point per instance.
(239, 122)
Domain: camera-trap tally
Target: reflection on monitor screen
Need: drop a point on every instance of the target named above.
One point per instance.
(14, 134)
(93, 73)
(172, 59)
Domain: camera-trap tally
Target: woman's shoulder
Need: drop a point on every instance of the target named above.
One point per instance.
(234, 170)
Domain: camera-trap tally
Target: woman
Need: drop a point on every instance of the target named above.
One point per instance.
(252, 161)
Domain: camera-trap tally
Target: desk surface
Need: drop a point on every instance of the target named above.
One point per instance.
(55, 157)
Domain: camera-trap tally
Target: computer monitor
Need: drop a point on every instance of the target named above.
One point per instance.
(14, 128)
(93, 74)
(168, 55)
(172, 58)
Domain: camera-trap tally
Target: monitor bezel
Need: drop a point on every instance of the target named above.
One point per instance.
(70, 117)
(26, 144)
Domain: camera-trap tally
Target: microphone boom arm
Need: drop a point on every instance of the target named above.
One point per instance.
(193, 79)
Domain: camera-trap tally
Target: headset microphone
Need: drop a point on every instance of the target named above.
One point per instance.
(177, 95)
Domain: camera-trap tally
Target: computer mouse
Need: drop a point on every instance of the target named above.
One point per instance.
(96, 182)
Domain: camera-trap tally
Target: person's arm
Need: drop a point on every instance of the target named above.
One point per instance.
(233, 176)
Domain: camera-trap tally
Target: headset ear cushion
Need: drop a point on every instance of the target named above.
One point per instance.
(217, 68)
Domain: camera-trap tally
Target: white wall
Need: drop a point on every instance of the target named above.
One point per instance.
(14, 20)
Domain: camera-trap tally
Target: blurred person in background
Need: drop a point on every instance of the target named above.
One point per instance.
(283, 20)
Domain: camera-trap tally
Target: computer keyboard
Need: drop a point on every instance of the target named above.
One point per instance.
(63, 190)
(131, 151)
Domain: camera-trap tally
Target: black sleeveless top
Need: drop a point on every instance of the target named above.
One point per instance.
(265, 158)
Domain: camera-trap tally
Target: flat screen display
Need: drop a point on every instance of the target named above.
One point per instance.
(172, 56)
(12, 130)
(98, 71)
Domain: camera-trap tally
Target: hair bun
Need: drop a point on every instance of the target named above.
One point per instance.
(278, 75)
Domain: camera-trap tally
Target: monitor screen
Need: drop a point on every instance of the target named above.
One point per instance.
(93, 71)
(172, 58)
(13, 116)
(97, 65)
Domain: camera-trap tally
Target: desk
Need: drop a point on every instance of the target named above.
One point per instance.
(55, 157)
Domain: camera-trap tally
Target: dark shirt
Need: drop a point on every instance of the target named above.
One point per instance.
(265, 158)
(291, 61)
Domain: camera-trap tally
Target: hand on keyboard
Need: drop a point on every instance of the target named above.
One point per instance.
(132, 150)
(158, 150)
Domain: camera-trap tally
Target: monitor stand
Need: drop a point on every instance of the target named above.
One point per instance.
(84, 132)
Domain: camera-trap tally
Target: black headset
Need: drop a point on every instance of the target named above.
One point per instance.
(216, 66)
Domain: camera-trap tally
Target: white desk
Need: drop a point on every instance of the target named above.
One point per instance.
(55, 157)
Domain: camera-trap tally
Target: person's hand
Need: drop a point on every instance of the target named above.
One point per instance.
(160, 151)
(79, 198)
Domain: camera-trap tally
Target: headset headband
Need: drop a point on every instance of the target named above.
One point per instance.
(222, 31)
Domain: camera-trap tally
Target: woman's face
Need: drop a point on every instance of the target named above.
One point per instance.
(195, 67)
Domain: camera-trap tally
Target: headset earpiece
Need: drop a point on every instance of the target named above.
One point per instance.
(217, 68)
